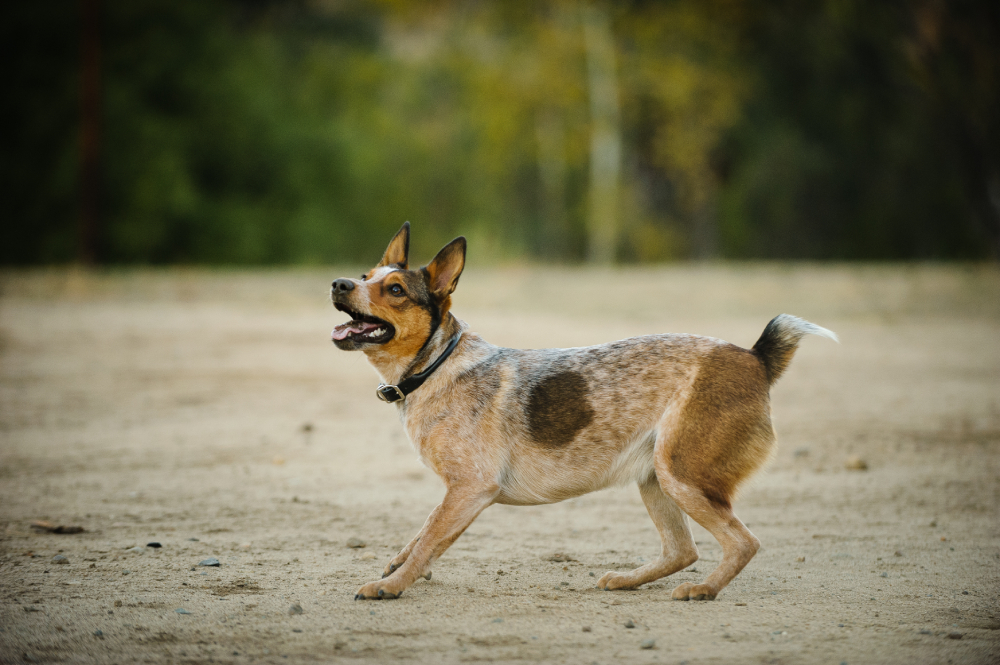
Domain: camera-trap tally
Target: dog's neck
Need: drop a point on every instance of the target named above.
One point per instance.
(392, 368)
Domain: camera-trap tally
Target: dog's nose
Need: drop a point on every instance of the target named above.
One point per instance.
(342, 285)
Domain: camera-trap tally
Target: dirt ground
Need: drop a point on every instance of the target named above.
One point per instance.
(208, 411)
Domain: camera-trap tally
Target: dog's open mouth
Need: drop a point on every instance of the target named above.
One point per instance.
(362, 328)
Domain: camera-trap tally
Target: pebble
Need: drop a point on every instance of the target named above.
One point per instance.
(592, 574)
(897, 553)
(367, 556)
(181, 610)
(648, 644)
(155, 545)
(210, 561)
(59, 558)
(801, 452)
(954, 636)
(587, 629)
(295, 609)
(801, 559)
(138, 549)
(630, 624)
(559, 557)
(355, 543)
(98, 633)
(855, 463)
(126, 572)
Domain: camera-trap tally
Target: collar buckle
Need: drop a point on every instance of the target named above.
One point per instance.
(389, 394)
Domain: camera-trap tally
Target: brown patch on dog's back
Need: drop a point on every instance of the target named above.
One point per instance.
(724, 433)
(558, 409)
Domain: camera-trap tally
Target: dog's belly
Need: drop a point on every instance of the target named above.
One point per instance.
(543, 477)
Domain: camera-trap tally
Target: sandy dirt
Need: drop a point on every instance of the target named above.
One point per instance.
(208, 411)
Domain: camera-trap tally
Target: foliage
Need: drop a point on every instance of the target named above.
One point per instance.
(295, 131)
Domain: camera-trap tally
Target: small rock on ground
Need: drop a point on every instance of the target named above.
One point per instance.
(630, 624)
(648, 644)
(295, 609)
(355, 543)
(855, 463)
(59, 558)
(559, 557)
(954, 636)
(210, 561)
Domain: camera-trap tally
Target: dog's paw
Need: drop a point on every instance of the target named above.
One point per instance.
(612, 581)
(688, 591)
(381, 590)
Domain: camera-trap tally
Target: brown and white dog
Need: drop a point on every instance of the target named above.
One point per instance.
(687, 418)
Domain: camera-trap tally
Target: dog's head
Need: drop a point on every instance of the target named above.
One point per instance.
(394, 308)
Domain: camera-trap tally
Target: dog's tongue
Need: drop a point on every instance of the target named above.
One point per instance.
(356, 327)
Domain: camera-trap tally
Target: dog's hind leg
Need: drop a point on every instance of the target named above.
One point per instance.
(679, 550)
(738, 544)
(716, 435)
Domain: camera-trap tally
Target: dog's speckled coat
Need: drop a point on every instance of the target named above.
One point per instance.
(687, 418)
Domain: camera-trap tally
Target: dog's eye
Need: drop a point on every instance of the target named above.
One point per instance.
(396, 290)
(362, 278)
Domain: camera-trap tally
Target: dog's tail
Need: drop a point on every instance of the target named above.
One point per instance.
(779, 340)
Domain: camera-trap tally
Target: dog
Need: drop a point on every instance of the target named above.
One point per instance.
(687, 418)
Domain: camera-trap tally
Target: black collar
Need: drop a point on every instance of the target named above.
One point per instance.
(399, 392)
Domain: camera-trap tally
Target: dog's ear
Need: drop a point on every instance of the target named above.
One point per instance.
(443, 272)
(398, 251)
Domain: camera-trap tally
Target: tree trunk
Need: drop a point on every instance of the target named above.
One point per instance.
(605, 136)
(90, 131)
(550, 133)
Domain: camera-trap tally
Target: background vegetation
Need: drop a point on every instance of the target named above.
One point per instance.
(307, 131)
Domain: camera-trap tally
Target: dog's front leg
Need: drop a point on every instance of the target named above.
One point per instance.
(404, 553)
(461, 505)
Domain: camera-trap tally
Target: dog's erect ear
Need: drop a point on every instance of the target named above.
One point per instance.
(398, 251)
(443, 272)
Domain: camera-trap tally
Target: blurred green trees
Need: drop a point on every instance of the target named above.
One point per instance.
(295, 131)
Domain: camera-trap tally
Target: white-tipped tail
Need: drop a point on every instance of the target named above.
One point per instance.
(779, 340)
